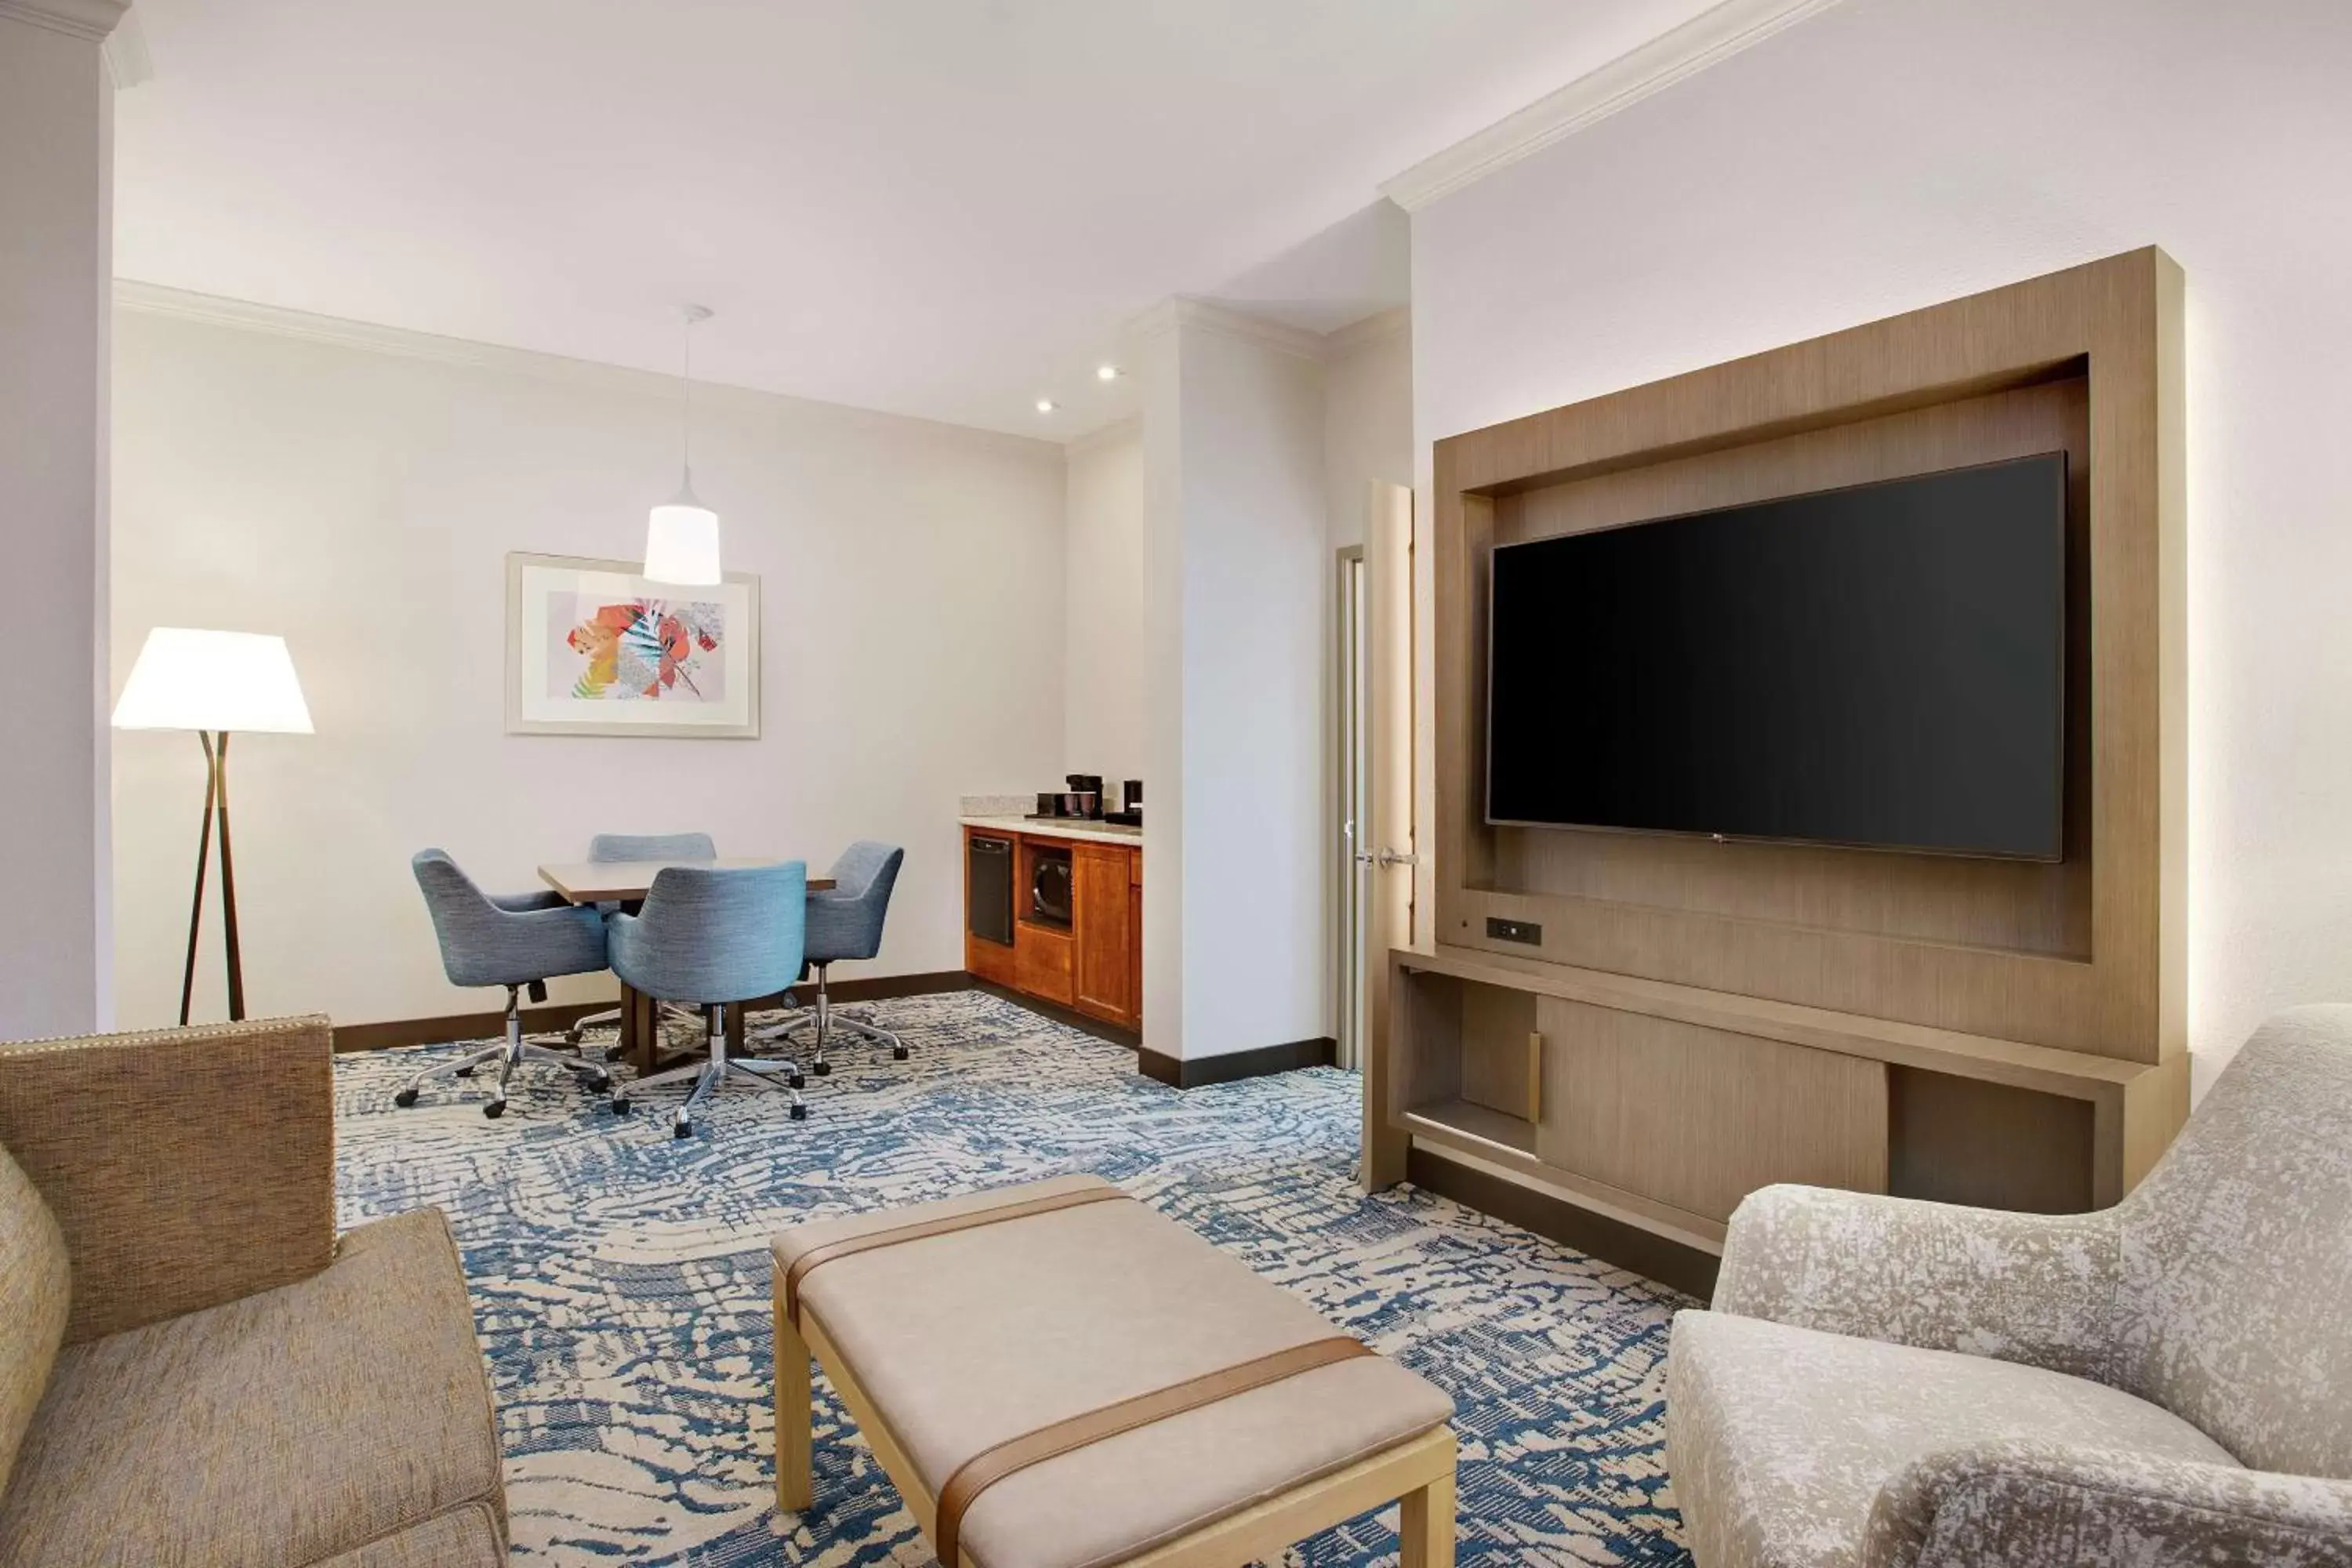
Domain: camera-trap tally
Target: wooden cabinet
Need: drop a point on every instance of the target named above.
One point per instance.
(1096, 964)
(1042, 962)
(992, 961)
(1135, 935)
(1699, 1118)
(1105, 898)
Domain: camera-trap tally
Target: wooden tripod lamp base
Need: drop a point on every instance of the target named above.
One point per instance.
(215, 822)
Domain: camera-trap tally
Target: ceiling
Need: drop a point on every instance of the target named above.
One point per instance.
(945, 208)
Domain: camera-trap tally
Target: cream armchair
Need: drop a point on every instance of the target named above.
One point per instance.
(194, 1370)
(1885, 1383)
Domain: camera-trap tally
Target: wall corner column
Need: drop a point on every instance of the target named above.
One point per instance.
(57, 265)
(1236, 909)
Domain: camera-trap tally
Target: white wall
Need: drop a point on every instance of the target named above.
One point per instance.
(1256, 925)
(56, 257)
(1890, 154)
(362, 503)
(1104, 722)
(1157, 355)
(1366, 418)
(1239, 572)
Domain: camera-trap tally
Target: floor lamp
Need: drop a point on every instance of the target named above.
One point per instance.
(214, 683)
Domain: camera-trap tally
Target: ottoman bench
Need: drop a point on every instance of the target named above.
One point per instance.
(1055, 1376)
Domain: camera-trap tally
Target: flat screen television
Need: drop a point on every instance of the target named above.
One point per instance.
(1883, 665)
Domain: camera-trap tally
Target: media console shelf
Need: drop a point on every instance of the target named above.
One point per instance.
(1654, 1025)
(1663, 1105)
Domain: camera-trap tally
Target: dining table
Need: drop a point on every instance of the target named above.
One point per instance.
(626, 883)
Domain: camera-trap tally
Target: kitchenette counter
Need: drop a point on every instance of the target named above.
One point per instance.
(1084, 829)
(1054, 908)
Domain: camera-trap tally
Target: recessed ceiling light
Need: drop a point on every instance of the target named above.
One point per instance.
(1106, 372)
(1046, 405)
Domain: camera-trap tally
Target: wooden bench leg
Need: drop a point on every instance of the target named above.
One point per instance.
(796, 1421)
(1425, 1521)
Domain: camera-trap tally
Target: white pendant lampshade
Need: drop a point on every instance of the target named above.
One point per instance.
(188, 679)
(682, 541)
(682, 534)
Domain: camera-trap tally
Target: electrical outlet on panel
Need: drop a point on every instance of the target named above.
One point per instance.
(1526, 932)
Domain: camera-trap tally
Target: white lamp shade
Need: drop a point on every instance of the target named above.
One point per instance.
(682, 545)
(213, 681)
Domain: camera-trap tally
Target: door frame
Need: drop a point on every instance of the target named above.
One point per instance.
(1396, 837)
(1351, 745)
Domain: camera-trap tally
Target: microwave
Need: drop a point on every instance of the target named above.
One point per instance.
(1049, 886)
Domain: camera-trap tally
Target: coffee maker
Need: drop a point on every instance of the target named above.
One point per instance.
(1130, 811)
(1082, 799)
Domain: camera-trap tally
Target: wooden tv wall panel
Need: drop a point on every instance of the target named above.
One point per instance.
(2078, 965)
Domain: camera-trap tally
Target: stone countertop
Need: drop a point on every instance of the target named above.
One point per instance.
(1078, 828)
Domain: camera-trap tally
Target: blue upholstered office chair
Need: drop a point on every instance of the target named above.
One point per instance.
(518, 941)
(846, 922)
(710, 938)
(611, 846)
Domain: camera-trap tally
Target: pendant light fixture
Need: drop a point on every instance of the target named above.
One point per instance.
(682, 534)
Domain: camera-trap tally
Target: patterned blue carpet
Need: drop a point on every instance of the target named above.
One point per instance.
(620, 1283)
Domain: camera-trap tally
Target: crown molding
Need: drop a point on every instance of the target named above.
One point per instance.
(91, 19)
(1378, 328)
(1184, 310)
(156, 300)
(1708, 39)
(403, 343)
(1125, 429)
(128, 64)
(1146, 325)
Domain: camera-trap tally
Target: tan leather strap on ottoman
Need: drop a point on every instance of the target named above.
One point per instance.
(984, 1469)
(850, 1245)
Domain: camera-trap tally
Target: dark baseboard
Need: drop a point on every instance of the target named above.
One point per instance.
(1196, 1072)
(881, 988)
(1068, 1016)
(554, 1016)
(1686, 1268)
(395, 1031)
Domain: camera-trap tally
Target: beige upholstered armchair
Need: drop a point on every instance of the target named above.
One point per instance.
(1883, 1384)
(194, 1369)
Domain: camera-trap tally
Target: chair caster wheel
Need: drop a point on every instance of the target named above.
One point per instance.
(897, 1053)
(612, 1053)
(600, 1083)
(463, 1072)
(681, 1130)
(404, 1099)
(495, 1110)
(620, 1105)
(798, 1080)
(821, 1069)
(799, 1113)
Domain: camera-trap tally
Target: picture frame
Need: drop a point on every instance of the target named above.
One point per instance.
(595, 647)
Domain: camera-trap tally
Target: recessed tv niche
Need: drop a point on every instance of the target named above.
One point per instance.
(1883, 665)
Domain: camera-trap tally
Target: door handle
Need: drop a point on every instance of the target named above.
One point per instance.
(1386, 858)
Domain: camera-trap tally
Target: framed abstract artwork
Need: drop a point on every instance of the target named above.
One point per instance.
(595, 648)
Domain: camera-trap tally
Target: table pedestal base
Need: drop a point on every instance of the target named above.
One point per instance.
(641, 1046)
